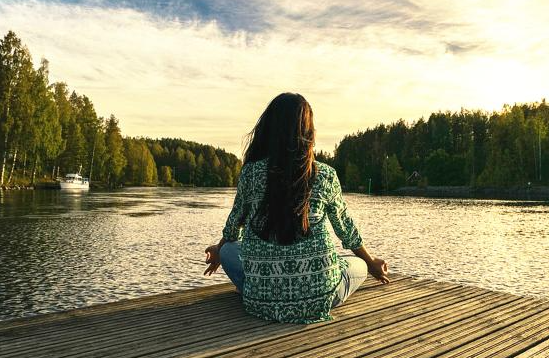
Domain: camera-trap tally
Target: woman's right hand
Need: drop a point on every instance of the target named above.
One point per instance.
(379, 269)
(212, 258)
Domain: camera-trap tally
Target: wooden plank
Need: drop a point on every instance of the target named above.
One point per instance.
(72, 328)
(515, 344)
(455, 335)
(119, 328)
(194, 312)
(188, 296)
(152, 305)
(130, 339)
(541, 349)
(408, 318)
(161, 340)
(132, 336)
(340, 329)
(533, 323)
(118, 332)
(358, 312)
(373, 339)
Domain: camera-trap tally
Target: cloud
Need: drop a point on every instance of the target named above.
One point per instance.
(204, 71)
(460, 48)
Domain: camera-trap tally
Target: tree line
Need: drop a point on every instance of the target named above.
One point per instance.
(192, 163)
(507, 148)
(47, 131)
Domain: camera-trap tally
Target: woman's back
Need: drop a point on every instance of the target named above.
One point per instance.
(291, 283)
(286, 265)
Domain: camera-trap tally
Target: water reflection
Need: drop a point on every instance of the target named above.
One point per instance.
(64, 250)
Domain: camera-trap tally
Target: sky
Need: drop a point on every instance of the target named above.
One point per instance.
(205, 70)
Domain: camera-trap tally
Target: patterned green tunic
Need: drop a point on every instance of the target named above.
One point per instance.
(293, 283)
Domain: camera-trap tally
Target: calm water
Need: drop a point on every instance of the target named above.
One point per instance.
(60, 251)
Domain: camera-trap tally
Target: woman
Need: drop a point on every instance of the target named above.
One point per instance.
(276, 248)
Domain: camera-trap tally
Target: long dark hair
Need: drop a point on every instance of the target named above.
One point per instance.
(285, 135)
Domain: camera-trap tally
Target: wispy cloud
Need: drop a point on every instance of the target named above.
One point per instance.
(204, 70)
(461, 48)
(230, 15)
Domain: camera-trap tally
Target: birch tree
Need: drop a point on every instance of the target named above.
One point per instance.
(15, 72)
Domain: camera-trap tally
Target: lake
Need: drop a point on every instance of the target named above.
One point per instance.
(65, 250)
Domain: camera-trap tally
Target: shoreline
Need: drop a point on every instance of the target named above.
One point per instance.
(100, 187)
(540, 193)
(95, 185)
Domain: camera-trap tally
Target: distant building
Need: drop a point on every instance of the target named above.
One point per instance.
(414, 178)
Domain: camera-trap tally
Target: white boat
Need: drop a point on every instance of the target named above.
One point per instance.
(74, 182)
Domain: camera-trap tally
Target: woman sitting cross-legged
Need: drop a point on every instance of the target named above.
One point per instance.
(276, 247)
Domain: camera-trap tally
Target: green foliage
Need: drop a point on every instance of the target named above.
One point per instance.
(166, 175)
(16, 106)
(393, 177)
(227, 177)
(195, 164)
(500, 149)
(45, 132)
(352, 177)
(141, 167)
(444, 169)
(116, 154)
(75, 148)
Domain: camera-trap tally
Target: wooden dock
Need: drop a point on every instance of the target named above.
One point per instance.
(408, 318)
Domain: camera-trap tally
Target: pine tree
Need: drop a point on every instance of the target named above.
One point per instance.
(115, 158)
(352, 178)
(393, 176)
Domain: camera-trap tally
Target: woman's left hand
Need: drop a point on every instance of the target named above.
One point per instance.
(212, 258)
(379, 269)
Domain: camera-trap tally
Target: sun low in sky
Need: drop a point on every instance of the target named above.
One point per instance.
(204, 70)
